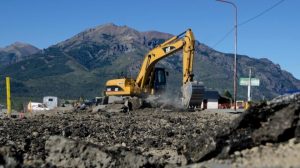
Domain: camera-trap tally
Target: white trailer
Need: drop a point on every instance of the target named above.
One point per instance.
(50, 101)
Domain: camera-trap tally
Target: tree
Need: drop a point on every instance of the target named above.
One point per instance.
(227, 94)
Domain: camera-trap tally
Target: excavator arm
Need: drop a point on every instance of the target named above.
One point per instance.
(192, 91)
(166, 49)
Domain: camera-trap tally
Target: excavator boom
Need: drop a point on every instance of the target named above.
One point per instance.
(164, 50)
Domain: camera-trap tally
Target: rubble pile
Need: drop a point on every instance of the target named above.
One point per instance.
(272, 122)
(269, 122)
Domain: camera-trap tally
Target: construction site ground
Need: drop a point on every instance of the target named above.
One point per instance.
(264, 136)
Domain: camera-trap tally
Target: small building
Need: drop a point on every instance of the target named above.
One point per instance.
(50, 101)
(211, 100)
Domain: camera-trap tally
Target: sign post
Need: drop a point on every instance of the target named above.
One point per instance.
(249, 86)
(249, 82)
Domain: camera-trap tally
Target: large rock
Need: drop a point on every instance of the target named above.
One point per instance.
(63, 152)
(198, 148)
(10, 157)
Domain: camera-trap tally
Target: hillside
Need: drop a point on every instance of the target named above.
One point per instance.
(79, 66)
(16, 52)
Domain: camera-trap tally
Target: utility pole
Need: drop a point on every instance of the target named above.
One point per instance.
(235, 53)
(249, 86)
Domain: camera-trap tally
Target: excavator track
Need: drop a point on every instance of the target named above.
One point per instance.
(193, 94)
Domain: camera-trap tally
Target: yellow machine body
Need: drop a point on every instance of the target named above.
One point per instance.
(121, 87)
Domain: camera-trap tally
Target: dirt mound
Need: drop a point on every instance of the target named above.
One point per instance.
(273, 122)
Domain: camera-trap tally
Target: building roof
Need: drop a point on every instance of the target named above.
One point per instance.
(211, 94)
(49, 97)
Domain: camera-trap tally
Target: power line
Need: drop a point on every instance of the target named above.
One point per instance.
(247, 21)
(223, 38)
(261, 13)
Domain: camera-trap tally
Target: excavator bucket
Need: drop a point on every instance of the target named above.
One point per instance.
(193, 94)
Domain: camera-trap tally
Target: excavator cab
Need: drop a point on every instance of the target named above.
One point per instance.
(160, 80)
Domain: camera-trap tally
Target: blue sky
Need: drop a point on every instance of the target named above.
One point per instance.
(275, 35)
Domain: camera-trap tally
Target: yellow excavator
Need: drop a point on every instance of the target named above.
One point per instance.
(151, 80)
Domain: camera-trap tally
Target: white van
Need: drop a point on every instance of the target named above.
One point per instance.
(35, 106)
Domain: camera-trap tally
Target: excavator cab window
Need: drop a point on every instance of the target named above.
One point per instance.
(160, 76)
(160, 79)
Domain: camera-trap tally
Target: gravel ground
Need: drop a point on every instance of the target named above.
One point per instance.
(147, 132)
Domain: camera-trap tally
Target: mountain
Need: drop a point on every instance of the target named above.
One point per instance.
(96, 47)
(16, 52)
(80, 66)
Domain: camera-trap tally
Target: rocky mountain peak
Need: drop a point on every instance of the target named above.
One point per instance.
(105, 34)
(20, 49)
(113, 29)
(16, 52)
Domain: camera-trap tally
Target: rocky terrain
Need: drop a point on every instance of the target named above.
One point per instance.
(266, 135)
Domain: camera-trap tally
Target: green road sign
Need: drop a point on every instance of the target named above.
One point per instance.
(245, 82)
